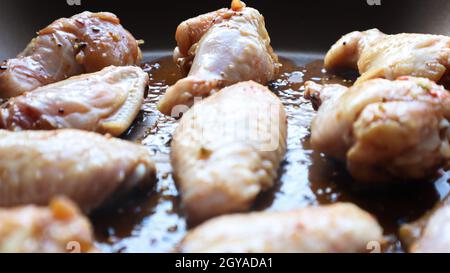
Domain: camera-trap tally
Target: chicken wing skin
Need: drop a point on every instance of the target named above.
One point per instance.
(58, 228)
(106, 102)
(431, 234)
(384, 130)
(84, 43)
(377, 55)
(90, 169)
(220, 48)
(228, 149)
(339, 228)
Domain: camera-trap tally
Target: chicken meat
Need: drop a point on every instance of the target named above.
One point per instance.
(105, 102)
(431, 234)
(377, 55)
(228, 149)
(339, 228)
(88, 168)
(84, 43)
(219, 49)
(384, 130)
(58, 228)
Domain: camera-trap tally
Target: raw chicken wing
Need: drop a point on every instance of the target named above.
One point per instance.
(84, 43)
(59, 228)
(384, 130)
(90, 169)
(377, 55)
(220, 48)
(228, 149)
(339, 228)
(105, 102)
(431, 234)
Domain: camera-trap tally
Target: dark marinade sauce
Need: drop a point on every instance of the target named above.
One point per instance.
(154, 222)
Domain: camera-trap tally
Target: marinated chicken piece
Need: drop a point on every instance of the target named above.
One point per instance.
(384, 130)
(339, 228)
(377, 55)
(228, 149)
(106, 102)
(85, 43)
(220, 49)
(90, 169)
(431, 234)
(59, 228)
